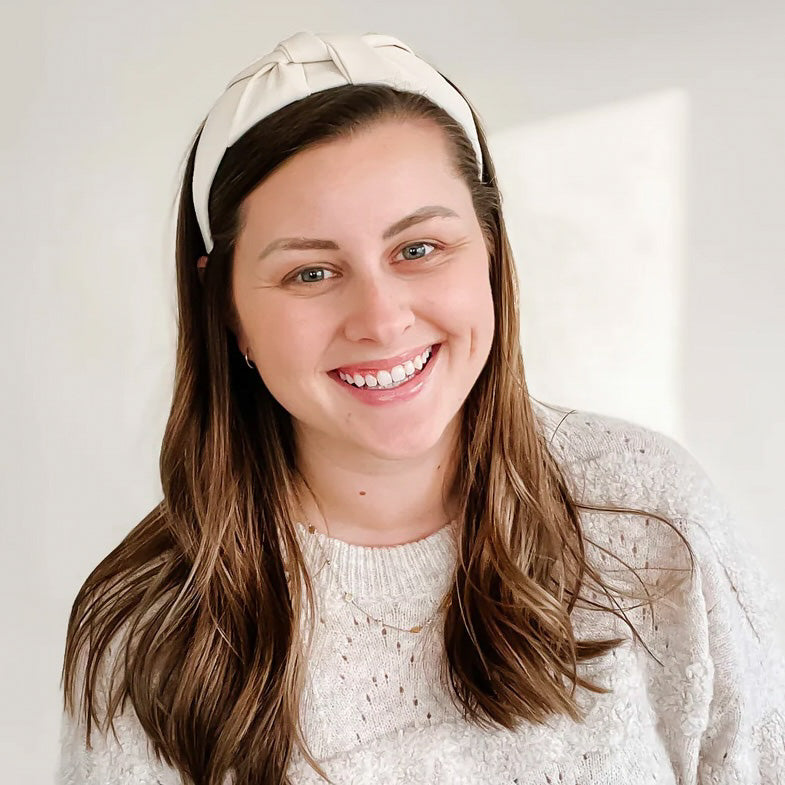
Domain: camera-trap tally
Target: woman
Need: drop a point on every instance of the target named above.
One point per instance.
(377, 558)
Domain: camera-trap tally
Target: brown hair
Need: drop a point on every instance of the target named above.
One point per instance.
(211, 655)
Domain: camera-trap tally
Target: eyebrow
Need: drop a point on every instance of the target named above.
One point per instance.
(311, 244)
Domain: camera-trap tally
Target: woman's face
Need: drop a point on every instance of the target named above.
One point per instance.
(356, 256)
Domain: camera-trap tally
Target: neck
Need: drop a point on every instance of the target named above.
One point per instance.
(373, 500)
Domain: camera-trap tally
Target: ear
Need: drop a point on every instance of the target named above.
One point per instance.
(201, 264)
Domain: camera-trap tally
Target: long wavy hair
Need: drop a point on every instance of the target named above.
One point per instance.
(193, 617)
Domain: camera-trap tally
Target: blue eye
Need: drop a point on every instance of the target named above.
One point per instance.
(415, 245)
(311, 274)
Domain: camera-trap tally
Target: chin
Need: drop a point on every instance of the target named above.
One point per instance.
(403, 444)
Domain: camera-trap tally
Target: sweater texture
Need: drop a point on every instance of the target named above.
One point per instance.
(704, 705)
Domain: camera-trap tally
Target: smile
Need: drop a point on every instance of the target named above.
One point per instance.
(389, 379)
(401, 383)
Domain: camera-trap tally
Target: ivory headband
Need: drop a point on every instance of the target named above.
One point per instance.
(304, 64)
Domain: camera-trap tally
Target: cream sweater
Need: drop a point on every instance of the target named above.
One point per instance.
(375, 709)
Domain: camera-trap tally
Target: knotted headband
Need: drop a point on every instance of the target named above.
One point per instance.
(303, 64)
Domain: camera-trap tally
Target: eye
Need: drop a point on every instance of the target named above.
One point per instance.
(415, 245)
(311, 275)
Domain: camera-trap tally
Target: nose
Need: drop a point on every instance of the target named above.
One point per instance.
(378, 309)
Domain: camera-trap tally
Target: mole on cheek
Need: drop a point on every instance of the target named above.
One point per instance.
(362, 493)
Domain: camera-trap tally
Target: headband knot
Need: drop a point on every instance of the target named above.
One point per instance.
(303, 64)
(349, 53)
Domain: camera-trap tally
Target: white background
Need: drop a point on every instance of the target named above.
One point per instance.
(640, 148)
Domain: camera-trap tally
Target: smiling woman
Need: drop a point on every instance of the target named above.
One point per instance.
(377, 558)
(391, 186)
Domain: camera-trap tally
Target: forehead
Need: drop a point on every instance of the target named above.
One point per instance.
(406, 163)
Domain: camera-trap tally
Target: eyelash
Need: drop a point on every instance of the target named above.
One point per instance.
(294, 277)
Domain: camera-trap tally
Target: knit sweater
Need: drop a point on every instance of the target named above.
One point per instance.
(705, 704)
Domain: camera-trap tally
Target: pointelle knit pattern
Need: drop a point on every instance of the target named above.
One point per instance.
(709, 710)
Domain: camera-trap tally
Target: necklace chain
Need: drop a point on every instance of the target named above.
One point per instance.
(348, 597)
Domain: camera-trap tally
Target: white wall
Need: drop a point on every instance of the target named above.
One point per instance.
(100, 100)
(595, 205)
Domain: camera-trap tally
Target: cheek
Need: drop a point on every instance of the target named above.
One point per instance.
(468, 302)
(288, 347)
(475, 315)
(281, 341)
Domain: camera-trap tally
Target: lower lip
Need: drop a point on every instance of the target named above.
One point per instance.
(403, 392)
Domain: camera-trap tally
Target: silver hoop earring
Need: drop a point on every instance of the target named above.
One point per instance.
(248, 362)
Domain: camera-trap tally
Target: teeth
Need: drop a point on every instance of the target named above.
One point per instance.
(391, 378)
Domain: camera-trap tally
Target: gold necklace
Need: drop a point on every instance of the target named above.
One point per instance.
(349, 598)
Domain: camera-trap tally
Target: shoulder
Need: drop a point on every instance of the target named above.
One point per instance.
(113, 747)
(717, 679)
(611, 461)
(620, 462)
(578, 436)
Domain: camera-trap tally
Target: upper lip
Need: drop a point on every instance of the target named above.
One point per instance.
(389, 362)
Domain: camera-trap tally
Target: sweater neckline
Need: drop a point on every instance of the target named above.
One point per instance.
(381, 572)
